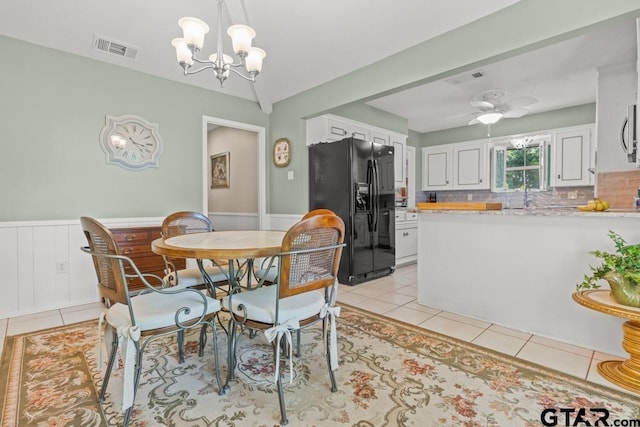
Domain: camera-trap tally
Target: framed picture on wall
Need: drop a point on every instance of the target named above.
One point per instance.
(220, 173)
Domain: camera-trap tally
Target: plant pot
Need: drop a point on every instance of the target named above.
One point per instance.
(623, 290)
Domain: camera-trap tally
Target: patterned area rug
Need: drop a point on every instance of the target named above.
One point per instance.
(391, 374)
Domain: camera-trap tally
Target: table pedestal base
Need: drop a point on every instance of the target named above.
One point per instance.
(625, 373)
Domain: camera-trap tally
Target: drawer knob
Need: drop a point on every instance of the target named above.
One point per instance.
(130, 237)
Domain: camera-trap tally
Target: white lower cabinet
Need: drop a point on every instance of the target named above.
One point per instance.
(407, 240)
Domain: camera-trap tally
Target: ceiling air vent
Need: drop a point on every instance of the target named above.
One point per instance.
(105, 45)
(461, 78)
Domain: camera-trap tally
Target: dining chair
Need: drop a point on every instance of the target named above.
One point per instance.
(268, 271)
(308, 268)
(187, 222)
(132, 322)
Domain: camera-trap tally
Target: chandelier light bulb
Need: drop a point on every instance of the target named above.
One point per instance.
(254, 60)
(241, 37)
(183, 52)
(194, 31)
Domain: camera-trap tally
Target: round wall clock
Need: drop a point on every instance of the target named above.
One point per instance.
(131, 142)
(282, 152)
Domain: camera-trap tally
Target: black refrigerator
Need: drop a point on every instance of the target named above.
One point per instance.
(355, 179)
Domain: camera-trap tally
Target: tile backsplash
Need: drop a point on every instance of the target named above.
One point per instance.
(618, 188)
(557, 197)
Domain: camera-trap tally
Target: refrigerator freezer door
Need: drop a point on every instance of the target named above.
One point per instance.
(363, 219)
(383, 237)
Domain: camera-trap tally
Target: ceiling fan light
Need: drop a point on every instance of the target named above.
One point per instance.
(489, 118)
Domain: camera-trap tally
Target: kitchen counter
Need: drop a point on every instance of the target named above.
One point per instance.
(611, 213)
(519, 267)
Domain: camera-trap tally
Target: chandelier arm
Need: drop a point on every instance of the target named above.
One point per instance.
(252, 78)
(190, 71)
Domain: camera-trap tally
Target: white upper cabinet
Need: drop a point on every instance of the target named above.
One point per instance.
(380, 137)
(437, 167)
(399, 143)
(572, 158)
(471, 166)
(334, 128)
(460, 166)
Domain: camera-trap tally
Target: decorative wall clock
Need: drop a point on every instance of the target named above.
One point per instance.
(282, 152)
(131, 142)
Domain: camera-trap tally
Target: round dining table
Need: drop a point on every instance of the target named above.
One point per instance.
(227, 245)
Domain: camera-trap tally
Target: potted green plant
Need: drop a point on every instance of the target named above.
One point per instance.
(620, 269)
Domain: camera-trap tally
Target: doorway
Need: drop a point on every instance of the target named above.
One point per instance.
(227, 219)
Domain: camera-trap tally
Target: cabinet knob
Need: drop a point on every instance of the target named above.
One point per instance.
(447, 181)
(558, 176)
(480, 179)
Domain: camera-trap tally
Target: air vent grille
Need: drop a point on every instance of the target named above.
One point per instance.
(103, 44)
(465, 77)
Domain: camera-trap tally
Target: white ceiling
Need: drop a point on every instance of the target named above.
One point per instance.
(312, 42)
(560, 75)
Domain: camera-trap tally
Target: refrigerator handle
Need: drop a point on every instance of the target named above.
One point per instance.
(376, 195)
(370, 175)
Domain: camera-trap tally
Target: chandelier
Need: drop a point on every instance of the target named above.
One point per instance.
(241, 35)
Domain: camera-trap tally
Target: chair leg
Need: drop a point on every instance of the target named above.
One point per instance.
(283, 410)
(203, 338)
(332, 377)
(107, 374)
(216, 359)
(136, 382)
(181, 346)
(231, 352)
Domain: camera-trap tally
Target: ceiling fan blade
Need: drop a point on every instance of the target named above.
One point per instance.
(515, 113)
(481, 104)
(460, 116)
(474, 122)
(523, 101)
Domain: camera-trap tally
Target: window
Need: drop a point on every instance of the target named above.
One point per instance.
(519, 162)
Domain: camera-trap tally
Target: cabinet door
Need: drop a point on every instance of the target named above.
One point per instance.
(379, 138)
(399, 161)
(360, 132)
(406, 242)
(572, 158)
(436, 168)
(470, 169)
(337, 130)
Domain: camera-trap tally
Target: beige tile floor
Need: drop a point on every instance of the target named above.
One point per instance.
(395, 296)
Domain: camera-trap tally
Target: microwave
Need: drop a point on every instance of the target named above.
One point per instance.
(629, 135)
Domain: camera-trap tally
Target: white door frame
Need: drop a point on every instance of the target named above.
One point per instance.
(262, 181)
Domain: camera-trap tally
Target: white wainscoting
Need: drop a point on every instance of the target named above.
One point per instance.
(224, 221)
(30, 251)
(282, 221)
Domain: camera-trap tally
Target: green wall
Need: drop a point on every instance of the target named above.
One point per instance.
(53, 105)
(52, 108)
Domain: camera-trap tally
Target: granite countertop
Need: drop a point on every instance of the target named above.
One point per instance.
(541, 211)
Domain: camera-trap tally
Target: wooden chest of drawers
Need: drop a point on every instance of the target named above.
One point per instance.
(135, 242)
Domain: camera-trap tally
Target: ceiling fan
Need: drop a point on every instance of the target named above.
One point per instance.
(491, 106)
